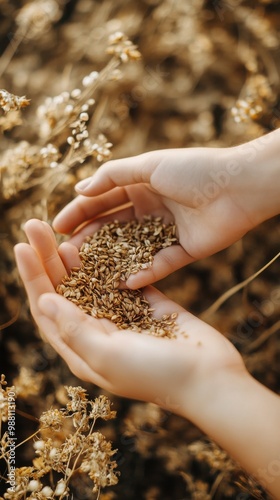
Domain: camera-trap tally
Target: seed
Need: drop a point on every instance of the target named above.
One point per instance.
(111, 255)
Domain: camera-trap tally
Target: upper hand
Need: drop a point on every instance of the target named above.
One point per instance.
(192, 187)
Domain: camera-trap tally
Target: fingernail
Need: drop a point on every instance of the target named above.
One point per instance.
(82, 185)
(47, 306)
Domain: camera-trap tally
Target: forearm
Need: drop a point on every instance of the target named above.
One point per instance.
(243, 417)
(255, 180)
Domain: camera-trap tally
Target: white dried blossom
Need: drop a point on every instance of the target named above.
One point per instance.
(90, 79)
(84, 117)
(53, 453)
(53, 111)
(76, 93)
(54, 164)
(34, 485)
(71, 140)
(9, 102)
(3, 406)
(39, 445)
(47, 492)
(121, 47)
(49, 151)
(100, 149)
(69, 109)
(61, 488)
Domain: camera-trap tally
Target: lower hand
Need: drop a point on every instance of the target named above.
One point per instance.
(176, 374)
(198, 375)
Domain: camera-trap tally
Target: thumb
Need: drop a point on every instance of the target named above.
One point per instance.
(121, 172)
(66, 327)
(165, 262)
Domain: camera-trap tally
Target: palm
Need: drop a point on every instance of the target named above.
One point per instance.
(198, 236)
(126, 363)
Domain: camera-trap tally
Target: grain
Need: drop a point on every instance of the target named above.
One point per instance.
(110, 256)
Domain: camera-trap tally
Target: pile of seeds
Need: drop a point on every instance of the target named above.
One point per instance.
(110, 256)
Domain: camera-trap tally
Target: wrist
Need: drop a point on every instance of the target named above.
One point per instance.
(255, 185)
(202, 404)
(242, 416)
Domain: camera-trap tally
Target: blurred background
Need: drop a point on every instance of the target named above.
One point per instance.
(208, 76)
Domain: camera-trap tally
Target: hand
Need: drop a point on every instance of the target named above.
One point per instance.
(214, 196)
(172, 373)
(198, 375)
(193, 187)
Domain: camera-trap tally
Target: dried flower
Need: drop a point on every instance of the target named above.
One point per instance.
(101, 408)
(121, 47)
(28, 383)
(34, 485)
(52, 419)
(11, 102)
(4, 399)
(258, 95)
(61, 488)
(81, 451)
(97, 462)
(34, 18)
(77, 399)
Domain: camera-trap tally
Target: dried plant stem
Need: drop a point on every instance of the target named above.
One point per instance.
(1, 187)
(86, 94)
(22, 442)
(73, 468)
(217, 304)
(270, 65)
(216, 484)
(11, 49)
(263, 338)
(26, 415)
(10, 321)
(28, 438)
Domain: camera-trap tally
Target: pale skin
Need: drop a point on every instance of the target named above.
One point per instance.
(200, 376)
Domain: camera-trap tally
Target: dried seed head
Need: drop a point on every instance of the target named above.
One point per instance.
(9, 102)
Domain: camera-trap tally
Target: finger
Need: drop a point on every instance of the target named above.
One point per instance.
(69, 255)
(123, 172)
(77, 365)
(33, 274)
(69, 334)
(82, 209)
(42, 240)
(50, 231)
(89, 229)
(125, 363)
(165, 262)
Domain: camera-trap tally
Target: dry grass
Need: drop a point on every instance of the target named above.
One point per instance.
(65, 445)
(209, 76)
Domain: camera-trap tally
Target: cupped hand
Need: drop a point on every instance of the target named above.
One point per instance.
(176, 374)
(193, 187)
